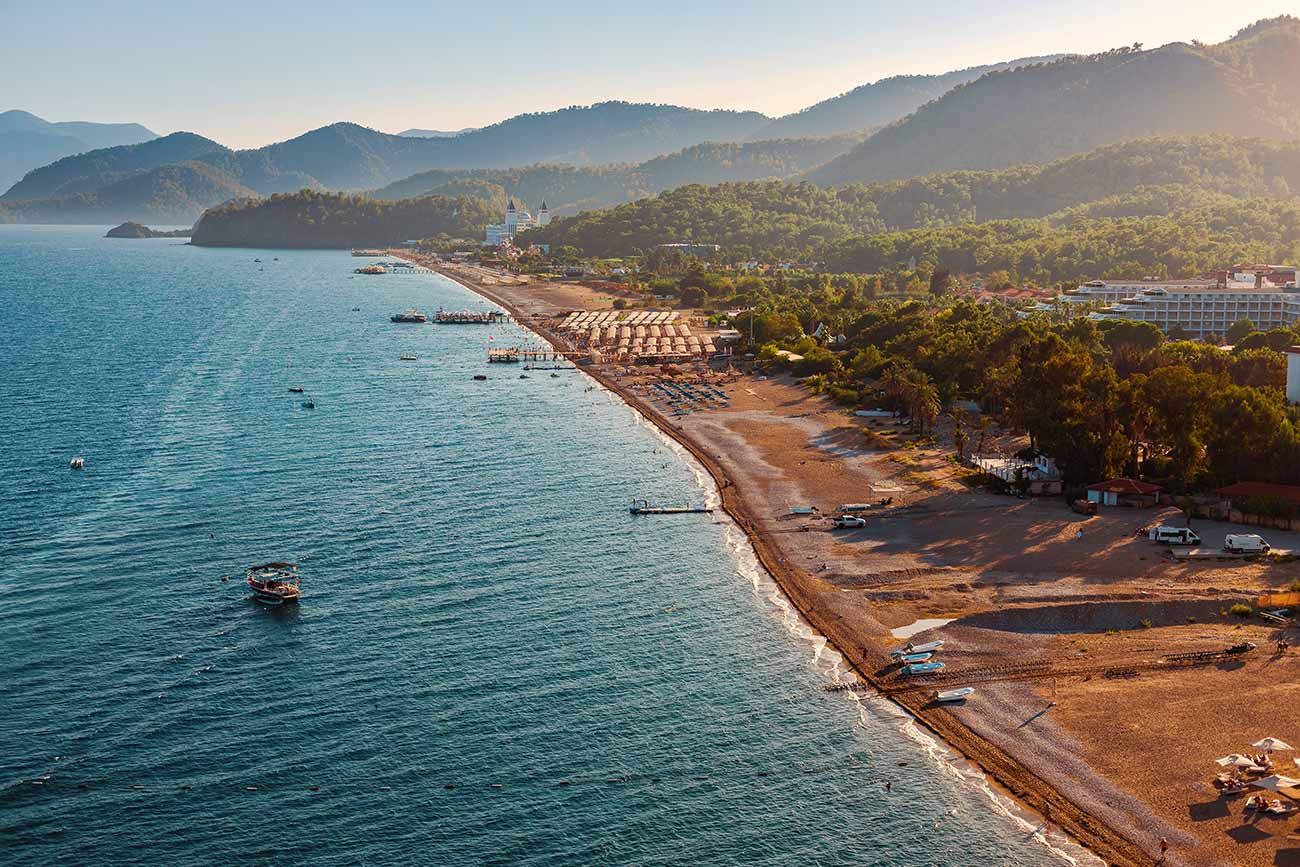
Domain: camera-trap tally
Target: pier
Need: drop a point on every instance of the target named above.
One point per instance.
(515, 355)
(469, 317)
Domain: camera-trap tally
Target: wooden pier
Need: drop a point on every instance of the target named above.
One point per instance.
(515, 355)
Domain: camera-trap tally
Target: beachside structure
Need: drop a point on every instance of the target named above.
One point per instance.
(1037, 471)
(1124, 492)
(1267, 295)
(517, 220)
(1263, 503)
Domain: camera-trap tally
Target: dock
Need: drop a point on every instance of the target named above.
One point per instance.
(643, 507)
(515, 355)
(469, 317)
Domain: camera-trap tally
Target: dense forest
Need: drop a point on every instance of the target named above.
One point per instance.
(335, 220)
(1037, 113)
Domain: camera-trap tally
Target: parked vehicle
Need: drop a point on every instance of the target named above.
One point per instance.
(1245, 543)
(1174, 536)
(844, 522)
(1084, 507)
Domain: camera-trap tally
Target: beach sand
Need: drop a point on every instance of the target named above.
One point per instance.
(1102, 738)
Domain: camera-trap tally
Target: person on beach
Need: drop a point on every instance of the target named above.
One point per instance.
(1164, 850)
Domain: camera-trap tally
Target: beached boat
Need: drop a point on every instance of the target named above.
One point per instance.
(915, 657)
(409, 316)
(274, 583)
(927, 647)
(958, 694)
(921, 668)
(803, 510)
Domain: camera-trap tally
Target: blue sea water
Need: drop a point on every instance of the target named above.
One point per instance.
(493, 663)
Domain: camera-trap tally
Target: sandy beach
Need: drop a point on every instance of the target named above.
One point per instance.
(1069, 627)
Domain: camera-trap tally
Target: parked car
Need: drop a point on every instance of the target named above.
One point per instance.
(844, 522)
(1173, 536)
(1084, 507)
(1245, 543)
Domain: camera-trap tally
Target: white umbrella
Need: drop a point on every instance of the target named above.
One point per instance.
(1270, 744)
(1236, 761)
(1276, 782)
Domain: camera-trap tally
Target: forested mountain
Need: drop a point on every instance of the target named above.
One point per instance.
(879, 103)
(87, 172)
(435, 133)
(567, 190)
(170, 194)
(336, 220)
(28, 142)
(1033, 114)
(1150, 179)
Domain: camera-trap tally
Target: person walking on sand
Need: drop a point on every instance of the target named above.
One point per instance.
(1164, 850)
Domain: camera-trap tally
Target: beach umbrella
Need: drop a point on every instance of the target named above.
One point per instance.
(1236, 761)
(1276, 783)
(1270, 744)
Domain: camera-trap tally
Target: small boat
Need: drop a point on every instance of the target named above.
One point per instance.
(296, 389)
(523, 376)
(309, 403)
(371, 269)
(356, 309)
(954, 694)
(480, 376)
(928, 647)
(914, 657)
(802, 510)
(409, 316)
(555, 376)
(921, 668)
(410, 356)
(274, 583)
(77, 463)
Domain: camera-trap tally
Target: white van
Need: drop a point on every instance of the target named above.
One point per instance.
(1245, 543)
(1174, 536)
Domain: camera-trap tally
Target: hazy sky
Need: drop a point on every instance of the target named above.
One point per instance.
(248, 73)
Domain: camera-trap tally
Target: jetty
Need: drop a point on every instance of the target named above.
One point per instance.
(643, 507)
(468, 317)
(514, 355)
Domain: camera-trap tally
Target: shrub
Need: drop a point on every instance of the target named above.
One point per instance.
(1240, 610)
(1144, 623)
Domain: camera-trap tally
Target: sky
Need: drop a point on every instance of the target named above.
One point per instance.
(250, 73)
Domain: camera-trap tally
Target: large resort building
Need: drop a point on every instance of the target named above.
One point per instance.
(1267, 295)
(517, 219)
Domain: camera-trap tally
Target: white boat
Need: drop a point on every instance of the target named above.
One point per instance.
(77, 463)
(958, 694)
(928, 647)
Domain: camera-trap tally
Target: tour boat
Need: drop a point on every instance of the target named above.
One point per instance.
(409, 316)
(77, 463)
(958, 694)
(922, 668)
(928, 647)
(274, 583)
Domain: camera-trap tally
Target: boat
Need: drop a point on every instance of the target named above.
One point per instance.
(915, 657)
(480, 376)
(309, 403)
(958, 694)
(928, 647)
(643, 507)
(409, 316)
(296, 389)
(802, 510)
(523, 376)
(371, 269)
(274, 583)
(921, 668)
(410, 356)
(77, 463)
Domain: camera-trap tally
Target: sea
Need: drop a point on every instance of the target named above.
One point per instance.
(493, 662)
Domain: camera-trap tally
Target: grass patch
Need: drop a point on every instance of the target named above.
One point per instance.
(1240, 610)
(1144, 624)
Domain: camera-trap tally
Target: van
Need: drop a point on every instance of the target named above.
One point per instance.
(1245, 543)
(1174, 536)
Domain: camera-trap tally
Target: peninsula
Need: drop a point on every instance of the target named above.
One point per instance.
(139, 230)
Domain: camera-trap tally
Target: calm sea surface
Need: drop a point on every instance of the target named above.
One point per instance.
(493, 663)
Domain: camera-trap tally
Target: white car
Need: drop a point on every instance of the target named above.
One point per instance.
(1245, 543)
(844, 522)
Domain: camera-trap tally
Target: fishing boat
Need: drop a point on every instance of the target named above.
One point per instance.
(927, 647)
(409, 316)
(958, 694)
(410, 356)
(921, 668)
(296, 389)
(274, 583)
(77, 463)
(914, 657)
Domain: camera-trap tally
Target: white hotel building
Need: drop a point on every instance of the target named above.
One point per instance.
(517, 219)
(1266, 295)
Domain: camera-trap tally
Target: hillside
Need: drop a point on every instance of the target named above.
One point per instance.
(28, 142)
(170, 194)
(567, 189)
(98, 168)
(879, 103)
(1034, 114)
(338, 220)
(1148, 178)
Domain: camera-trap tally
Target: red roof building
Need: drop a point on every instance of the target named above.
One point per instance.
(1260, 490)
(1124, 492)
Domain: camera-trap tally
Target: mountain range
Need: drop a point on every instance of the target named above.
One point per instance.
(27, 141)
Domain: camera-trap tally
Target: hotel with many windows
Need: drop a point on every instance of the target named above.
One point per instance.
(1265, 294)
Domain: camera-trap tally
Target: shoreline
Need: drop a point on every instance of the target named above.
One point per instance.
(1008, 777)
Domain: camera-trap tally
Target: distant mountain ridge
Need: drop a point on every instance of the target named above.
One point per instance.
(881, 102)
(28, 141)
(435, 133)
(1038, 113)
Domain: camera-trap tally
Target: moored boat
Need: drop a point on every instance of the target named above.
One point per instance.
(915, 657)
(958, 694)
(409, 316)
(274, 583)
(922, 668)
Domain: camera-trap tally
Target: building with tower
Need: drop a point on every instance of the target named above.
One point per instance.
(517, 220)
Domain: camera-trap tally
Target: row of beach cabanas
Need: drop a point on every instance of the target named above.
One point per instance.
(583, 320)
